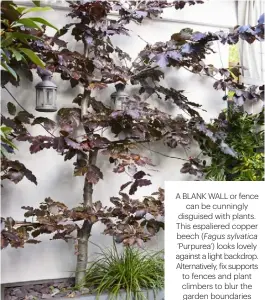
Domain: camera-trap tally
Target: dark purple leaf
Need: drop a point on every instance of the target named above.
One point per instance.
(174, 54)
(139, 175)
(161, 60)
(11, 108)
(186, 48)
(32, 241)
(197, 36)
(141, 13)
(135, 114)
(144, 182)
(93, 174)
(133, 188)
(47, 123)
(73, 144)
(125, 185)
(70, 154)
(24, 117)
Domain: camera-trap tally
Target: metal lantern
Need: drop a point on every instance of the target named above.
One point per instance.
(120, 97)
(46, 96)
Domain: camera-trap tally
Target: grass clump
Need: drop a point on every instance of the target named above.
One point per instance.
(132, 271)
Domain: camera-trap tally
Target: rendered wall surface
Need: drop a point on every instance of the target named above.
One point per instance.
(56, 259)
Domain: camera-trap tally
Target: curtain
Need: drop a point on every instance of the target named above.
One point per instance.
(251, 56)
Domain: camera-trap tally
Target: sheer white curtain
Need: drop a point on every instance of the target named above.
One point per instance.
(251, 56)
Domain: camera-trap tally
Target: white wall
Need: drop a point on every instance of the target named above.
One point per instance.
(55, 259)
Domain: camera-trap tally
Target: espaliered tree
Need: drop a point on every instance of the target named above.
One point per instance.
(138, 124)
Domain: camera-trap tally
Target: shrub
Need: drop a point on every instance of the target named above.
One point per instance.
(132, 271)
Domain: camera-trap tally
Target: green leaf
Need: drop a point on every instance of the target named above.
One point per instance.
(18, 56)
(19, 9)
(9, 69)
(6, 40)
(8, 142)
(37, 3)
(230, 94)
(33, 57)
(4, 56)
(5, 130)
(37, 9)
(27, 22)
(24, 37)
(45, 22)
(11, 108)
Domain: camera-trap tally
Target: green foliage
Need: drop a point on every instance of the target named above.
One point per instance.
(6, 144)
(245, 135)
(234, 58)
(132, 271)
(15, 41)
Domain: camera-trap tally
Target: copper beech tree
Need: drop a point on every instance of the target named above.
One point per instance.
(140, 122)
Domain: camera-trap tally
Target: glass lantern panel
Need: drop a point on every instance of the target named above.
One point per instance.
(40, 97)
(123, 101)
(118, 104)
(49, 93)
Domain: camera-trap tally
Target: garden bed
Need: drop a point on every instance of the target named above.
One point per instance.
(62, 289)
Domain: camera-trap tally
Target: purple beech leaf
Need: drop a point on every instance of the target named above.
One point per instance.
(116, 114)
(142, 13)
(47, 123)
(134, 113)
(133, 188)
(14, 175)
(125, 185)
(93, 174)
(144, 182)
(29, 175)
(70, 154)
(139, 175)
(24, 117)
(139, 214)
(161, 60)
(116, 201)
(15, 171)
(174, 54)
(186, 48)
(11, 108)
(78, 99)
(72, 144)
(41, 142)
(32, 241)
(239, 101)
(245, 28)
(197, 36)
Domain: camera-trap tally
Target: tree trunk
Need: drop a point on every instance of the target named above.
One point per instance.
(88, 187)
(84, 232)
(82, 256)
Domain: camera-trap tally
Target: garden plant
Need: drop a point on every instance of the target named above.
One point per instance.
(233, 140)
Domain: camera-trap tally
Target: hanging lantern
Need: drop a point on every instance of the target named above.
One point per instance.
(120, 97)
(46, 92)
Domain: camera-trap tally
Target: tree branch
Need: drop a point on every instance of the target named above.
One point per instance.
(165, 155)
